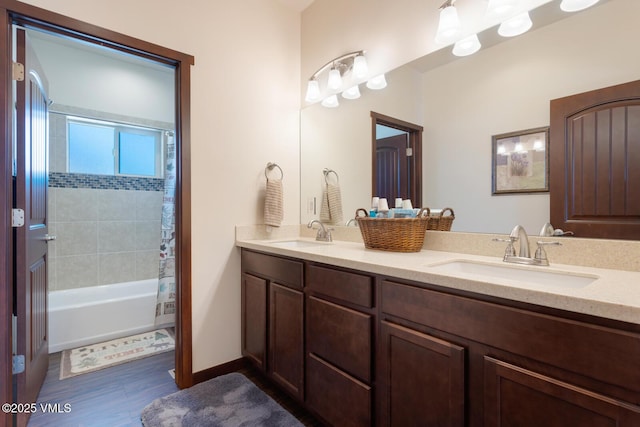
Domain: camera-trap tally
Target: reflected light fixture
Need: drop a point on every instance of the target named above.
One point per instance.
(330, 101)
(576, 5)
(343, 73)
(515, 26)
(449, 25)
(502, 150)
(467, 46)
(352, 93)
(377, 82)
(499, 8)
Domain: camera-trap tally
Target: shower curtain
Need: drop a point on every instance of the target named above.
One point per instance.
(166, 298)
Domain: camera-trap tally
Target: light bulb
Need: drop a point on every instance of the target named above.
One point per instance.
(500, 8)
(313, 91)
(335, 79)
(352, 93)
(360, 68)
(449, 26)
(515, 26)
(467, 46)
(576, 5)
(330, 101)
(377, 82)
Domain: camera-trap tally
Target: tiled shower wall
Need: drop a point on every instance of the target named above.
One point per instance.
(107, 228)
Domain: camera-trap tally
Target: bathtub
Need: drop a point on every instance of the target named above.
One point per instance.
(90, 315)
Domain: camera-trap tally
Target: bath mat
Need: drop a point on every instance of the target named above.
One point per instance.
(103, 355)
(226, 401)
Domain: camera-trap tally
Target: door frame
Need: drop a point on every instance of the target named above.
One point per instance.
(12, 11)
(415, 142)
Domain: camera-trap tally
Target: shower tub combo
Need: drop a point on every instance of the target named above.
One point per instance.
(94, 314)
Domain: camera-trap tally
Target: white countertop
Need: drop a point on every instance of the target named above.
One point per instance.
(615, 294)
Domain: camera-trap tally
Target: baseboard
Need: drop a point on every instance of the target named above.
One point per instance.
(216, 371)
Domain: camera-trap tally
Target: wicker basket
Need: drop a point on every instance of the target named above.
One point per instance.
(393, 234)
(441, 222)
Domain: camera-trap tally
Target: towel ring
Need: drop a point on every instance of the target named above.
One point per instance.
(270, 167)
(326, 172)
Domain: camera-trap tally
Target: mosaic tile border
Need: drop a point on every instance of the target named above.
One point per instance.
(104, 182)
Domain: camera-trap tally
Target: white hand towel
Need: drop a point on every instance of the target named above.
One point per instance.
(273, 203)
(325, 214)
(335, 204)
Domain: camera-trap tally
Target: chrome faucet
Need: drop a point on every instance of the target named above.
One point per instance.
(524, 256)
(324, 234)
(519, 234)
(352, 221)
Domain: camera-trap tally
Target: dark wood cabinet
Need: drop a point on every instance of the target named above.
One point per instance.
(422, 379)
(340, 352)
(254, 319)
(519, 397)
(273, 318)
(286, 344)
(361, 350)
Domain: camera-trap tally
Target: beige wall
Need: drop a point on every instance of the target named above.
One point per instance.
(244, 113)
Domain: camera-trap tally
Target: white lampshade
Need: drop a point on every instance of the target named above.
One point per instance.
(467, 46)
(500, 8)
(360, 68)
(449, 26)
(335, 79)
(515, 26)
(377, 82)
(330, 101)
(313, 91)
(576, 5)
(352, 93)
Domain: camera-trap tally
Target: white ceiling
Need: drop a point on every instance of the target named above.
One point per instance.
(298, 5)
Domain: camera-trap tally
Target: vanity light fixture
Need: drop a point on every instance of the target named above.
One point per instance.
(352, 93)
(467, 46)
(515, 26)
(449, 25)
(331, 101)
(377, 82)
(576, 5)
(500, 8)
(343, 73)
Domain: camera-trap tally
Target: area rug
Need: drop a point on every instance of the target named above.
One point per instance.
(229, 400)
(103, 355)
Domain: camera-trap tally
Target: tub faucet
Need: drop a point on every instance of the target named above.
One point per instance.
(324, 234)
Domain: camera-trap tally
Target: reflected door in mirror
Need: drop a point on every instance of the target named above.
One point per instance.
(393, 168)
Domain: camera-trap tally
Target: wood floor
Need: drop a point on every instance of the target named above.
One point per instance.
(115, 397)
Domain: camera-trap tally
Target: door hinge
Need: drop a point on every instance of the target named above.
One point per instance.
(409, 151)
(17, 217)
(18, 364)
(17, 71)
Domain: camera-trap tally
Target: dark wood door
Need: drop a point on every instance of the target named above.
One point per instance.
(31, 239)
(392, 168)
(254, 319)
(595, 153)
(421, 380)
(515, 396)
(286, 341)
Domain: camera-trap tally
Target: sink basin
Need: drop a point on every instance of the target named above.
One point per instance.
(298, 244)
(533, 275)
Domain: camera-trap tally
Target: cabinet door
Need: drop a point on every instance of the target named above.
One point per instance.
(286, 346)
(515, 396)
(254, 319)
(421, 379)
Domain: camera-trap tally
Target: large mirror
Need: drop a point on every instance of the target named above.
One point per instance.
(461, 103)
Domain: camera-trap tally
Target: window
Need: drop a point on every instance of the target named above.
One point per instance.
(104, 148)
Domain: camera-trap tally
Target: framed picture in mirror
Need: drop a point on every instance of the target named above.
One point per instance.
(520, 162)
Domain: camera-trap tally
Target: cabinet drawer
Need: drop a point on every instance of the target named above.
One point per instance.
(350, 287)
(340, 336)
(284, 271)
(338, 398)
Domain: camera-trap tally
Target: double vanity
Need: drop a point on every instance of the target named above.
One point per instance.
(364, 337)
